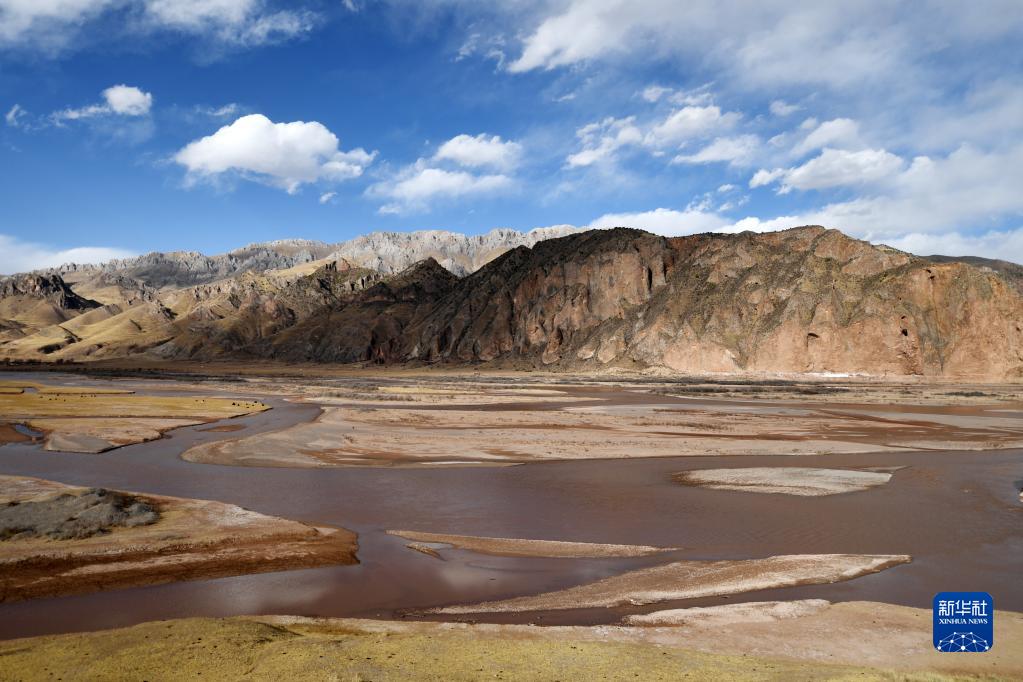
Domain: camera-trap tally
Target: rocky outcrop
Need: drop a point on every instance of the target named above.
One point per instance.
(539, 302)
(49, 288)
(392, 252)
(372, 327)
(1012, 272)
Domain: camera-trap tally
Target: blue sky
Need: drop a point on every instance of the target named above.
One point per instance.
(138, 125)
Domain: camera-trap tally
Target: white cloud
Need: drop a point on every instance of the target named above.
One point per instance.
(51, 25)
(223, 111)
(766, 44)
(654, 93)
(690, 122)
(601, 140)
(965, 192)
(837, 168)
(765, 177)
(327, 197)
(480, 151)
(17, 255)
(15, 116)
(781, 108)
(127, 100)
(1000, 245)
(664, 221)
(415, 187)
(285, 155)
(737, 151)
(839, 132)
(118, 100)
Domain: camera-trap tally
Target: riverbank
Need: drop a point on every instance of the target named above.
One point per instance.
(831, 642)
(50, 549)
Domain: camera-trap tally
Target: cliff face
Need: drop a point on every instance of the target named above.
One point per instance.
(539, 302)
(814, 300)
(802, 300)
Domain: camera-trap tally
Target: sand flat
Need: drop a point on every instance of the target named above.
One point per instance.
(531, 548)
(501, 427)
(803, 481)
(92, 420)
(731, 614)
(691, 579)
(192, 539)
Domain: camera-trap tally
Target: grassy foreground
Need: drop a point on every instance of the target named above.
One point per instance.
(250, 649)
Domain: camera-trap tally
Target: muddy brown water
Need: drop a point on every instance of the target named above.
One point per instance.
(957, 513)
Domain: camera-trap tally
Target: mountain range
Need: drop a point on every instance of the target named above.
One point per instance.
(808, 299)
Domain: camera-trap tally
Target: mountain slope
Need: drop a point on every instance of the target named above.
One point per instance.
(384, 252)
(801, 300)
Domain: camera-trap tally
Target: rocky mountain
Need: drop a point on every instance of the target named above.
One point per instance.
(801, 300)
(188, 268)
(385, 252)
(392, 252)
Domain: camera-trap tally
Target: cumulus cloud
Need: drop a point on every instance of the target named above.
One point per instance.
(463, 166)
(328, 197)
(481, 151)
(833, 168)
(955, 194)
(689, 122)
(664, 221)
(738, 151)
(1000, 245)
(18, 255)
(839, 132)
(285, 155)
(118, 100)
(416, 186)
(51, 25)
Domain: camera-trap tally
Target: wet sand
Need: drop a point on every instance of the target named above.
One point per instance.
(93, 419)
(956, 513)
(531, 548)
(588, 422)
(693, 579)
(802, 481)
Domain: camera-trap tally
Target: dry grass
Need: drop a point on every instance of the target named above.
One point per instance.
(100, 404)
(276, 649)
